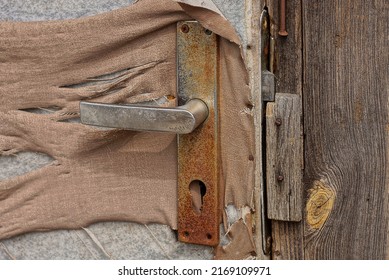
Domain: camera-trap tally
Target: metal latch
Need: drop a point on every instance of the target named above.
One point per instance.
(194, 120)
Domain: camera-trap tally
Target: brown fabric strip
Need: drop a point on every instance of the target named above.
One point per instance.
(101, 175)
(241, 245)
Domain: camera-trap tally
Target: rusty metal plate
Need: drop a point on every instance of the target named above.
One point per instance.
(197, 62)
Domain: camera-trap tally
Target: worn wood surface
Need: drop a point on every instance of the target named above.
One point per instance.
(288, 71)
(288, 57)
(287, 240)
(253, 9)
(284, 158)
(345, 108)
(346, 125)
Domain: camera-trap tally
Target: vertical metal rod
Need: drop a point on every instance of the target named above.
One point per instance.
(265, 223)
(283, 31)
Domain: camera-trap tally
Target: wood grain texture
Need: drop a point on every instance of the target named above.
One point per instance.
(288, 71)
(345, 121)
(284, 157)
(288, 58)
(287, 240)
(345, 107)
(253, 9)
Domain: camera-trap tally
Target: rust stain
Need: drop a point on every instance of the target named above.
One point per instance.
(198, 151)
(319, 205)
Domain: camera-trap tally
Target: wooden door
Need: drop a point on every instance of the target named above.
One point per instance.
(336, 58)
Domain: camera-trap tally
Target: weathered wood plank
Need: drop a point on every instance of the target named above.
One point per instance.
(287, 240)
(262, 233)
(288, 57)
(253, 9)
(287, 237)
(284, 157)
(345, 120)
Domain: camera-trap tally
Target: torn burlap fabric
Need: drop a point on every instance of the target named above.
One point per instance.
(115, 175)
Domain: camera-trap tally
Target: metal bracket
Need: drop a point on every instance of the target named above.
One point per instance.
(268, 86)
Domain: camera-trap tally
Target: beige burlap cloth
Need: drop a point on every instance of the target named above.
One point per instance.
(115, 175)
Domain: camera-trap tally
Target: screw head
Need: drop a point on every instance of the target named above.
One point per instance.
(280, 178)
(278, 122)
(185, 28)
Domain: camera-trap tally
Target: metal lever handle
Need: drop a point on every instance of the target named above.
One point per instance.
(181, 120)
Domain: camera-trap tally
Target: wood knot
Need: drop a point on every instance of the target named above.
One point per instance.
(319, 205)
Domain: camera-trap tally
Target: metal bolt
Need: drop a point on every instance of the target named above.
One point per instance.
(282, 31)
(278, 122)
(185, 28)
(280, 178)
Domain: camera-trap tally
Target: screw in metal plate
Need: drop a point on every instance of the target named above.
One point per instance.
(185, 28)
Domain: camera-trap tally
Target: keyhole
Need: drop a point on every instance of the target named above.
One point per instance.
(197, 191)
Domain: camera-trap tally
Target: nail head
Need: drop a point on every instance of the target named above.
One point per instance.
(185, 28)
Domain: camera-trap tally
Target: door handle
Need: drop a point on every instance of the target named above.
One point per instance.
(195, 121)
(181, 120)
